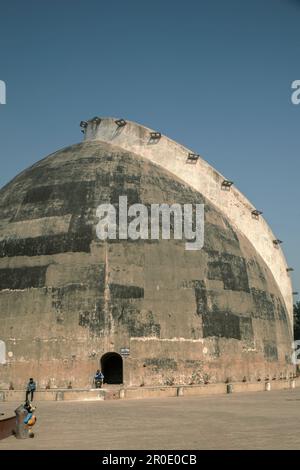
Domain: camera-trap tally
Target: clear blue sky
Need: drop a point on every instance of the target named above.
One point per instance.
(214, 75)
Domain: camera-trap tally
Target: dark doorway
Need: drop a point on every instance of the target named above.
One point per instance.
(112, 368)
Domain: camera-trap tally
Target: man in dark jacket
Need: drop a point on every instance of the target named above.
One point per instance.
(31, 387)
(98, 379)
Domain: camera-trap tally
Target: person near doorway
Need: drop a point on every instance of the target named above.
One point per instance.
(98, 379)
(31, 387)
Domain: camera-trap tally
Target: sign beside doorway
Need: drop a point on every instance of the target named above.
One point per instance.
(124, 351)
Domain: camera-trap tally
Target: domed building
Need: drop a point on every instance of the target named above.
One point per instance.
(147, 312)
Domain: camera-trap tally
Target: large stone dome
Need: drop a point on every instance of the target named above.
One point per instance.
(68, 299)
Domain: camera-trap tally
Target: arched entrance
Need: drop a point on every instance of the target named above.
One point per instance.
(112, 368)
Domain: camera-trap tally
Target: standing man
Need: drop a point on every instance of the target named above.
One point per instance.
(31, 387)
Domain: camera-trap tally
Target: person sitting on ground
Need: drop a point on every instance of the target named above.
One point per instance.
(98, 379)
(31, 387)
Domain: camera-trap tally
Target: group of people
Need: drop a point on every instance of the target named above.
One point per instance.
(31, 386)
(30, 418)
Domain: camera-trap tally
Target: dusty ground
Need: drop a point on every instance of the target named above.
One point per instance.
(264, 420)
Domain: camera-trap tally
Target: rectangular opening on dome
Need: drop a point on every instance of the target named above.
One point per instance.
(155, 135)
(120, 122)
(192, 158)
(96, 119)
(226, 185)
(255, 214)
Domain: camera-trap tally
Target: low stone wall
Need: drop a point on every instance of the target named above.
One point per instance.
(147, 392)
(150, 392)
(54, 395)
(207, 390)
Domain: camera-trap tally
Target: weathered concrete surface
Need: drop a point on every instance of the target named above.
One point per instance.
(204, 178)
(67, 298)
(241, 421)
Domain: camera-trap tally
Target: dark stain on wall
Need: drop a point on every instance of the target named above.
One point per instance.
(47, 245)
(131, 193)
(120, 291)
(280, 310)
(117, 177)
(201, 297)
(229, 269)
(62, 294)
(256, 269)
(56, 200)
(191, 363)
(127, 313)
(22, 278)
(270, 351)
(222, 324)
(218, 237)
(136, 328)
(161, 363)
(264, 307)
(246, 328)
(218, 323)
(96, 320)
(200, 294)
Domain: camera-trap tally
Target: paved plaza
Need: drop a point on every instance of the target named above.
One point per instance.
(264, 420)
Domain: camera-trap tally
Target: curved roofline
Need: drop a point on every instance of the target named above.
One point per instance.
(201, 176)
